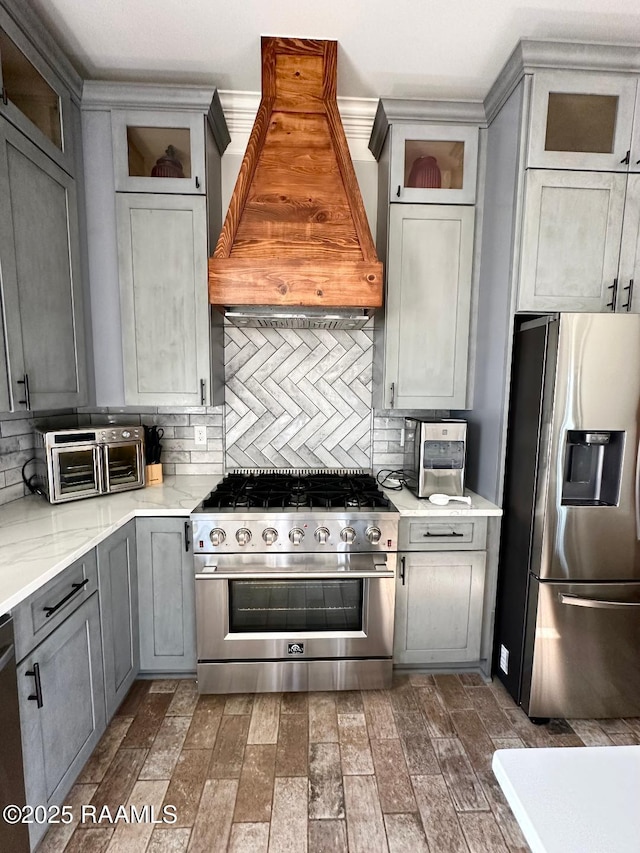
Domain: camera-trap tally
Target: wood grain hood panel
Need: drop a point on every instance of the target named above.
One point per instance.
(296, 232)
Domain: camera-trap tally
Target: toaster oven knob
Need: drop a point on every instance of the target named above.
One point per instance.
(373, 535)
(217, 536)
(348, 535)
(322, 535)
(270, 535)
(296, 535)
(243, 536)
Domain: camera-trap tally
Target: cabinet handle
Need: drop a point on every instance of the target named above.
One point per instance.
(402, 569)
(197, 182)
(35, 674)
(626, 159)
(629, 287)
(5, 99)
(393, 394)
(614, 296)
(451, 535)
(27, 396)
(187, 541)
(76, 587)
(398, 191)
(203, 393)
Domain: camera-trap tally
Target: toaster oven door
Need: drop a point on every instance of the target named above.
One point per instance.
(75, 472)
(123, 466)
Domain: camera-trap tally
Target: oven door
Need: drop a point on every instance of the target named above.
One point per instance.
(75, 472)
(123, 466)
(285, 607)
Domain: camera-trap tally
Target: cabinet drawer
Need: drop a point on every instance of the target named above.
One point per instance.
(35, 618)
(436, 535)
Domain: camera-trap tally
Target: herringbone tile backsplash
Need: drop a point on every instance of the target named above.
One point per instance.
(298, 398)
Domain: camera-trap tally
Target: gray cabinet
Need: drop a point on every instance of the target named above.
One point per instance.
(166, 592)
(152, 168)
(118, 584)
(162, 252)
(58, 737)
(439, 607)
(44, 349)
(422, 345)
(580, 241)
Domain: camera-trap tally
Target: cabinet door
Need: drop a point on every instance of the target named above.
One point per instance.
(581, 120)
(439, 599)
(629, 270)
(118, 582)
(166, 590)
(570, 240)
(159, 152)
(433, 164)
(59, 737)
(428, 304)
(41, 287)
(162, 257)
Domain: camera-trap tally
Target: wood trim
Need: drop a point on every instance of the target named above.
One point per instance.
(308, 282)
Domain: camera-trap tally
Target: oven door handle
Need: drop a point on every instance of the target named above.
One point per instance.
(213, 575)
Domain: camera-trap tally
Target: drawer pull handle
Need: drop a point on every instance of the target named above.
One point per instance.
(35, 674)
(403, 568)
(440, 535)
(76, 587)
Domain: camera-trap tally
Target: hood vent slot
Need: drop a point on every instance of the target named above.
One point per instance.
(309, 318)
(296, 232)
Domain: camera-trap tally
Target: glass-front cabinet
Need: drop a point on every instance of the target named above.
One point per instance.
(433, 164)
(581, 120)
(31, 98)
(159, 152)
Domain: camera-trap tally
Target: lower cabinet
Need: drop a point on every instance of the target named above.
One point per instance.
(439, 607)
(118, 585)
(166, 591)
(62, 710)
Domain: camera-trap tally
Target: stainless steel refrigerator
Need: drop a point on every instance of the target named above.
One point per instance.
(568, 609)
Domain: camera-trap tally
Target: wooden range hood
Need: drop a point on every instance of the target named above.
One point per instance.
(296, 232)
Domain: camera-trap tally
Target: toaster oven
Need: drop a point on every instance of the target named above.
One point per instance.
(434, 456)
(84, 463)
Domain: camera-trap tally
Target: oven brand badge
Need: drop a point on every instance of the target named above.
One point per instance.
(295, 648)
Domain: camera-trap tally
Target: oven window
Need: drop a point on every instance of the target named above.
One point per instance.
(296, 605)
(77, 471)
(123, 464)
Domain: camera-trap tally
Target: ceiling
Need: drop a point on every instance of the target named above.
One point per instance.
(387, 48)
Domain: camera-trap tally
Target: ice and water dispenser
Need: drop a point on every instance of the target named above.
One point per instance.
(592, 467)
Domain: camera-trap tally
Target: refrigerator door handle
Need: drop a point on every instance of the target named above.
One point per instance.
(580, 601)
(637, 494)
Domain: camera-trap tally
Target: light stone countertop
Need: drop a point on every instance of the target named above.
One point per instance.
(38, 539)
(409, 505)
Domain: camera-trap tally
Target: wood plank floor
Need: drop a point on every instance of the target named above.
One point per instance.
(406, 769)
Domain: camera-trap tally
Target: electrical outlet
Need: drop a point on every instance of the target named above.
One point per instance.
(504, 659)
(200, 434)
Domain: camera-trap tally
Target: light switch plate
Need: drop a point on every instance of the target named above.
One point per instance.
(200, 434)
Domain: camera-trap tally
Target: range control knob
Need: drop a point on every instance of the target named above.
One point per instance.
(270, 535)
(217, 536)
(243, 536)
(296, 535)
(348, 535)
(373, 534)
(322, 535)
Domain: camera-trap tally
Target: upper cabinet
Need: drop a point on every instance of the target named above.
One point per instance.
(159, 152)
(421, 336)
(152, 169)
(433, 164)
(582, 120)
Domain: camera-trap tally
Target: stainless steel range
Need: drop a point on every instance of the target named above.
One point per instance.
(295, 583)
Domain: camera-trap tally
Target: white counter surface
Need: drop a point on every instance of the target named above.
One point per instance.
(574, 800)
(408, 504)
(38, 540)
